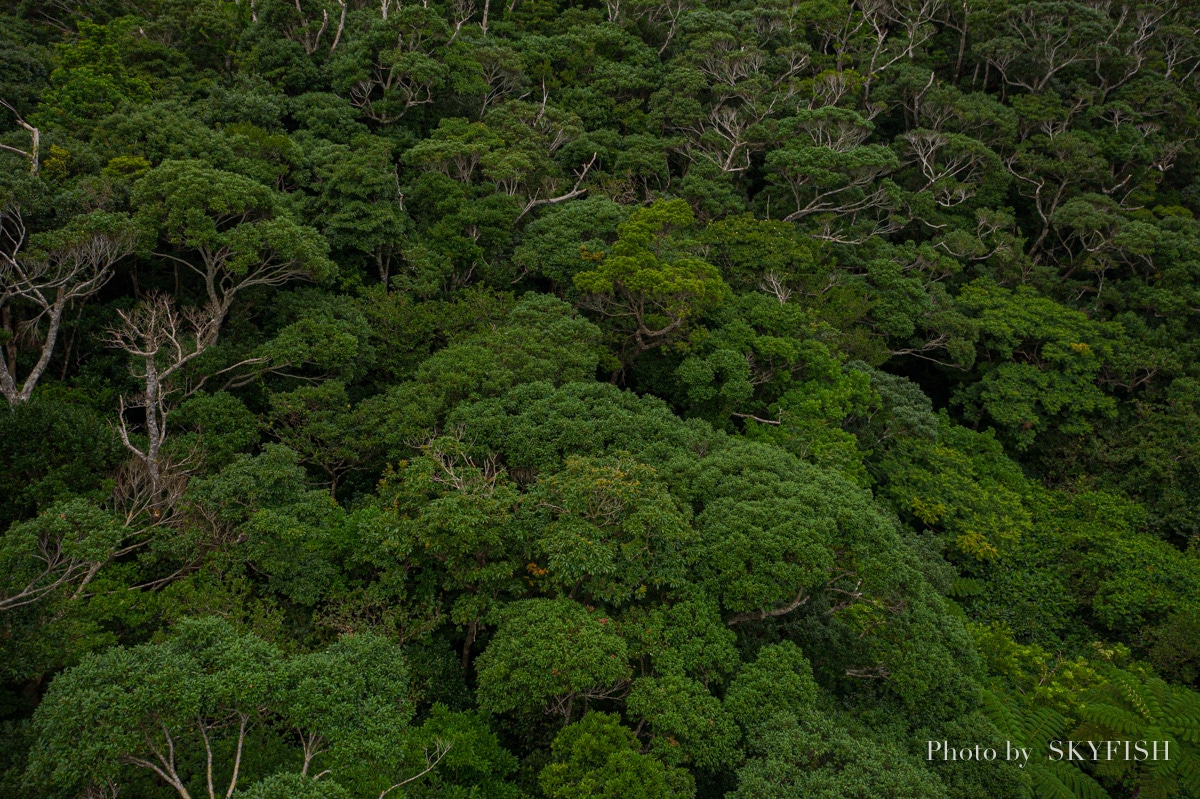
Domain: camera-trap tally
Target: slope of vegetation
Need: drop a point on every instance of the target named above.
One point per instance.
(638, 399)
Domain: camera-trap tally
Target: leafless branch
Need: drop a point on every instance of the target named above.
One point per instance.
(774, 285)
(575, 191)
(758, 615)
(758, 419)
(432, 758)
(49, 281)
(161, 341)
(35, 135)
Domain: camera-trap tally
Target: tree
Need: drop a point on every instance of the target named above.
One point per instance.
(1035, 41)
(473, 761)
(650, 285)
(549, 653)
(598, 757)
(187, 709)
(688, 726)
(778, 681)
(962, 485)
(609, 531)
(49, 271)
(684, 638)
(553, 242)
(396, 65)
(75, 454)
(318, 422)
(63, 547)
(830, 173)
(460, 506)
(542, 340)
(809, 755)
(358, 200)
(761, 366)
(151, 706)
(768, 538)
(237, 228)
(1049, 360)
(348, 705)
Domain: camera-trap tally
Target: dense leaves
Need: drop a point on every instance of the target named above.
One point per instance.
(597, 399)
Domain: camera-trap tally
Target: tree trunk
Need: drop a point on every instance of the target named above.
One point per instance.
(154, 424)
(472, 629)
(8, 376)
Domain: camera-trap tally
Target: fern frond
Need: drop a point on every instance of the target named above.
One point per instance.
(1154, 788)
(1061, 780)
(1182, 716)
(1043, 725)
(1185, 727)
(1111, 717)
(1027, 727)
(1188, 769)
(1001, 715)
(966, 586)
(1147, 710)
(1133, 692)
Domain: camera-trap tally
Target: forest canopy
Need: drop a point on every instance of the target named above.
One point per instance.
(636, 399)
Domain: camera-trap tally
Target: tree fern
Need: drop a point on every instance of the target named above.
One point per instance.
(1130, 707)
(1034, 729)
(1062, 780)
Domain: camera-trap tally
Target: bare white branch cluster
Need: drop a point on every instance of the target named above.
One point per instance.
(162, 341)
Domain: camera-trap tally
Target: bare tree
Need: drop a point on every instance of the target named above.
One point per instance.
(161, 340)
(75, 267)
(776, 286)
